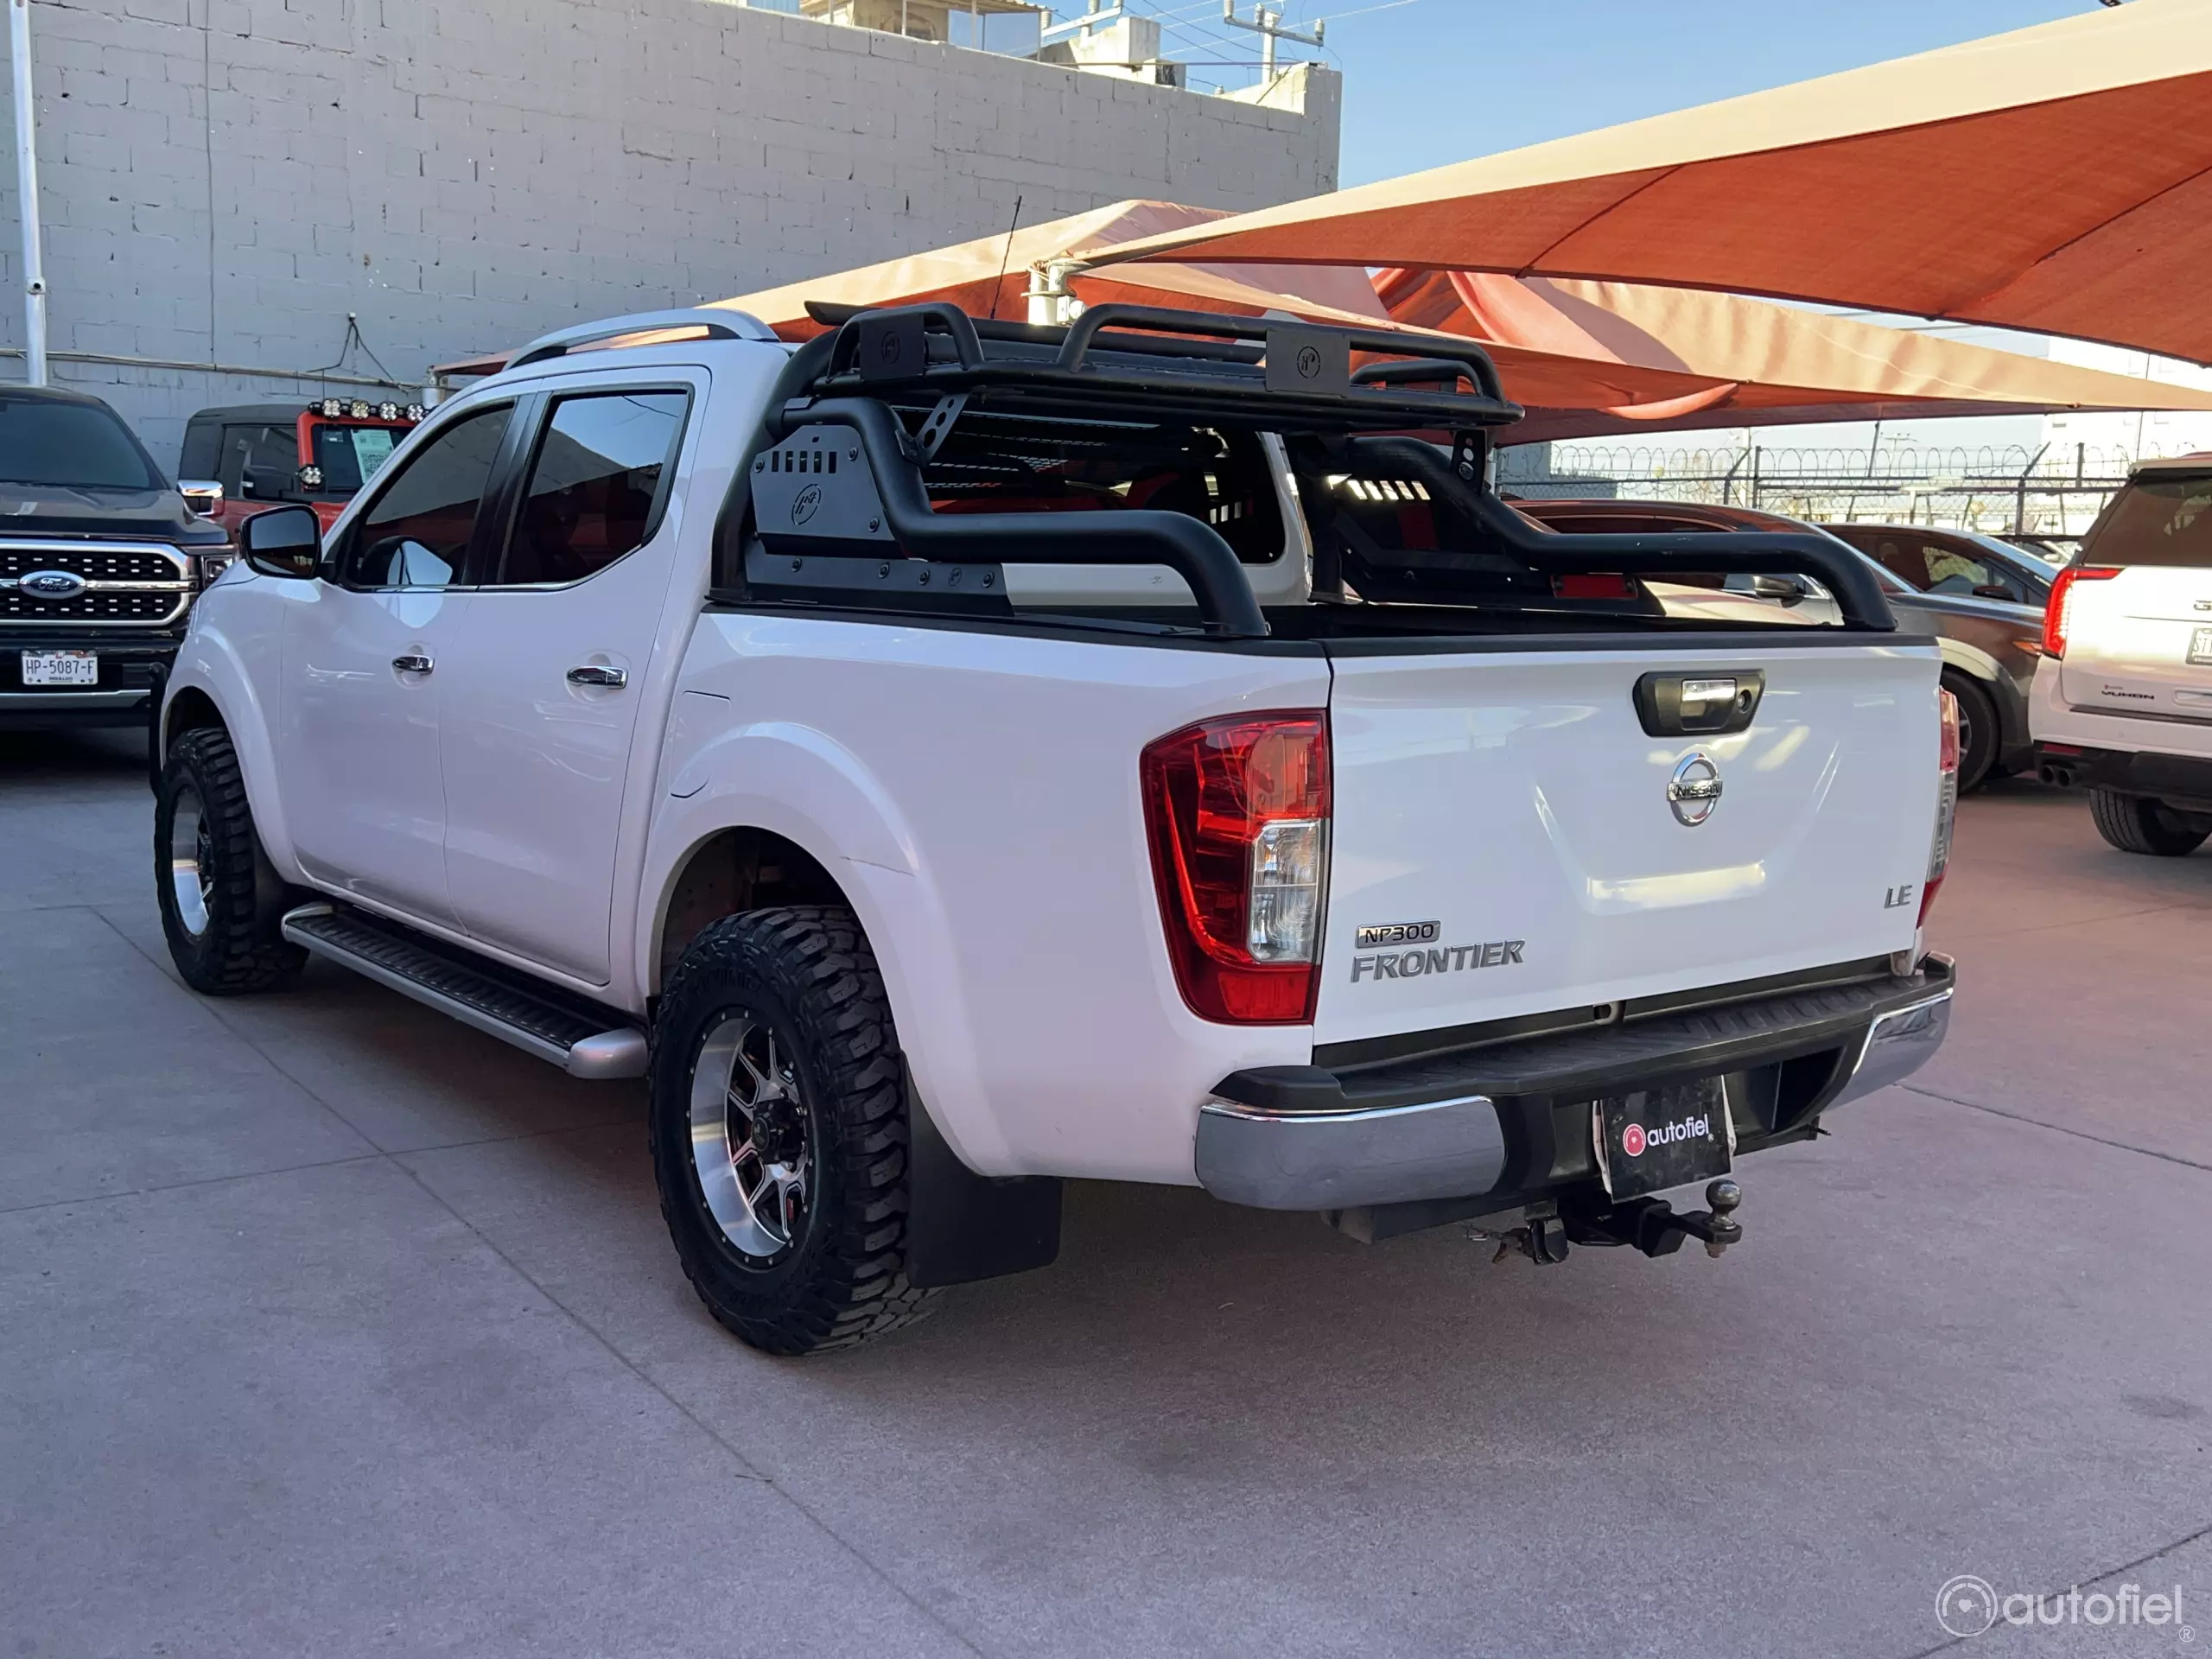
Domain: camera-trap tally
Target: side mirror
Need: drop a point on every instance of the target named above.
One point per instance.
(268, 483)
(1788, 589)
(203, 495)
(284, 542)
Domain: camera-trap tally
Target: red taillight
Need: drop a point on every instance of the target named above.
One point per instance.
(1237, 812)
(1947, 799)
(2057, 613)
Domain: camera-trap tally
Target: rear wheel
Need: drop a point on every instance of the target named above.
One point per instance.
(1977, 733)
(221, 900)
(2136, 823)
(779, 1127)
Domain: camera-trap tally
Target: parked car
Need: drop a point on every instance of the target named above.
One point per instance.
(1990, 646)
(320, 453)
(949, 757)
(2051, 548)
(99, 560)
(2123, 699)
(1953, 563)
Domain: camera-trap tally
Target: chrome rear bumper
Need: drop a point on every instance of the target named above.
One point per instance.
(1362, 1142)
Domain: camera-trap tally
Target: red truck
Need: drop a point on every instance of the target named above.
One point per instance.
(318, 452)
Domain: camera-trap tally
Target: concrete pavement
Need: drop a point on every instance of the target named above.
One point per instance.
(328, 1325)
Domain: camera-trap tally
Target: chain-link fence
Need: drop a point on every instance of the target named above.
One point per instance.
(2053, 490)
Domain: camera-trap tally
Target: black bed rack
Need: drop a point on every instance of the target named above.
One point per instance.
(1283, 375)
(843, 516)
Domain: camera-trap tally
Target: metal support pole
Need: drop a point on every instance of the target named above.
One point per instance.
(2020, 499)
(19, 47)
(1268, 25)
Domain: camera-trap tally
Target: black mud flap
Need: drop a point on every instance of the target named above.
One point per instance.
(961, 1226)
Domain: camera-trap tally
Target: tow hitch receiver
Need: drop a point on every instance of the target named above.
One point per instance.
(1652, 1226)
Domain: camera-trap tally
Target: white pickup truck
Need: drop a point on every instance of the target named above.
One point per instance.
(950, 757)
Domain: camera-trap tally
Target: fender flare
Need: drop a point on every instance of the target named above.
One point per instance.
(793, 781)
(209, 663)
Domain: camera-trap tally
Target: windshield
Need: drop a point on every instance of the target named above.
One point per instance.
(70, 446)
(2162, 519)
(349, 455)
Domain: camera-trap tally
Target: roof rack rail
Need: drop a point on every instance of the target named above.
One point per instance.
(718, 322)
(1278, 374)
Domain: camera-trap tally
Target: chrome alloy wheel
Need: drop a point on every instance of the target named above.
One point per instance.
(749, 1138)
(191, 858)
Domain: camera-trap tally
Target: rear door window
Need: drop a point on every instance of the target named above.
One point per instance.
(2156, 520)
(597, 486)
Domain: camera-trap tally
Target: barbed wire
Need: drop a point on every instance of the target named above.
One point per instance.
(1903, 465)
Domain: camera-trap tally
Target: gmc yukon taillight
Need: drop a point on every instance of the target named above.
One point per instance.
(1237, 813)
(2058, 613)
(1947, 801)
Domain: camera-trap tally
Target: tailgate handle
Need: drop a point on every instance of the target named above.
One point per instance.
(1711, 703)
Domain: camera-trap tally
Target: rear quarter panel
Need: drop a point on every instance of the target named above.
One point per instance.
(976, 794)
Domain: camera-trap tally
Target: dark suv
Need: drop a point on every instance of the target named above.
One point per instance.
(99, 560)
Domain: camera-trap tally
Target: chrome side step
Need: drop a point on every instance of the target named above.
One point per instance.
(540, 1020)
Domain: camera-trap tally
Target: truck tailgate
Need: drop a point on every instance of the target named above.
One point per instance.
(1503, 819)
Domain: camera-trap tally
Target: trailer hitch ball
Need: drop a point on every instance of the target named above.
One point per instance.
(1722, 1197)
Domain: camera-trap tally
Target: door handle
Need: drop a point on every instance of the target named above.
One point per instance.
(413, 661)
(597, 674)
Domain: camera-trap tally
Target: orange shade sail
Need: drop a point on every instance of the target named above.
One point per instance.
(2055, 179)
(1586, 358)
(1765, 363)
(989, 276)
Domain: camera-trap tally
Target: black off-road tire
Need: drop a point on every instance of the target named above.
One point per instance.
(1980, 738)
(238, 949)
(2136, 823)
(806, 972)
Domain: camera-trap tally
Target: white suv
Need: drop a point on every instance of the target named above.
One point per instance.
(2123, 697)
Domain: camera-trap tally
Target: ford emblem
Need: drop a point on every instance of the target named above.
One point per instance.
(1694, 790)
(52, 584)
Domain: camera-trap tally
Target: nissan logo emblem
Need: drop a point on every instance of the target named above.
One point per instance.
(1694, 790)
(52, 584)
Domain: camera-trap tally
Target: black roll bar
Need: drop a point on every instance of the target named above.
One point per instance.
(1193, 551)
(1858, 595)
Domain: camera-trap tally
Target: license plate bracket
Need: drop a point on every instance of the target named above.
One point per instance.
(1653, 1139)
(60, 668)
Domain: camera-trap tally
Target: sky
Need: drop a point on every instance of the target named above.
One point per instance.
(1429, 82)
(1432, 81)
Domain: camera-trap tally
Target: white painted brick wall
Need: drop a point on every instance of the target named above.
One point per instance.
(223, 180)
